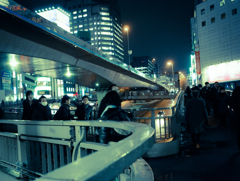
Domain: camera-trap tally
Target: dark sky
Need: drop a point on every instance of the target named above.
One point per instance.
(160, 29)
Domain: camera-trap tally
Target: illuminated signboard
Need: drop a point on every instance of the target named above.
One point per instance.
(224, 72)
(58, 17)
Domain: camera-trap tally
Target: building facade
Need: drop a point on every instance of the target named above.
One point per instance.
(100, 21)
(217, 43)
(143, 64)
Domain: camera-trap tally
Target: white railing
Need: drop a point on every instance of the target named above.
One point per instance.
(59, 149)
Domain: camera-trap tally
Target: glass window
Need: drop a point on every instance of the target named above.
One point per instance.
(90, 29)
(79, 16)
(204, 23)
(75, 31)
(105, 28)
(85, 15)
(222, 2)
(75, 12)
(85, 19)
(106, 19)
(85, 24)
(74, 7)
(234, 11)
(85, 29)
(104, 8)
(212, 7)
(90, 24)
(79, 6)
(75, 17)
(75, 27)
(223, 16)
(79, 11)
(203, 11)
(80, 26)
(213, 20)
(85, 10)
(104, 14)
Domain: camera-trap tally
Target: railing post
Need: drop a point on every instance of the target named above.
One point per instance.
(19, 152)
(153, 123)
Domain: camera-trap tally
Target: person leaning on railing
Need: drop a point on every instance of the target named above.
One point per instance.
(113, 112)
(28, 106)
(64, 111)
(42, 111)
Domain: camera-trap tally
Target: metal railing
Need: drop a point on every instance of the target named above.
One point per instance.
(58, 149)
(166, 127)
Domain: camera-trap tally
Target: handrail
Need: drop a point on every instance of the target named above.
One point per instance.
(105, 164)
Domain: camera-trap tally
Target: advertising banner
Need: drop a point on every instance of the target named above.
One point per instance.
(224, 72)
(198, 65)
(6, 80)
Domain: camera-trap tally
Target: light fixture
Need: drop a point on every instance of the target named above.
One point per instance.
(68, 72)
(97, 84)
(13, 61)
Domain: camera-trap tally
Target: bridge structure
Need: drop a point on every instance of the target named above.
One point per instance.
(31, 44)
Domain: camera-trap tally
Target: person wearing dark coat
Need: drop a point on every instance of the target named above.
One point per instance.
(196, 112)
(214, 92)
(64, 111)
(187, 95)
(222, 102)
(236, 108)
(113, 112)
(28, 106)
(103, 105)
(42, 111)
(1, 113)
(206, 91)
(84, 111)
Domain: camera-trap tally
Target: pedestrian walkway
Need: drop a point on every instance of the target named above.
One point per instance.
(217, 159)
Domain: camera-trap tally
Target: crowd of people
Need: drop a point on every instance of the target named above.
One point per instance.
(109, 109)
(199, 101)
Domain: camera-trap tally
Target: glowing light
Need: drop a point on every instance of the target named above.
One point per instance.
(97, 84)
(13, 61)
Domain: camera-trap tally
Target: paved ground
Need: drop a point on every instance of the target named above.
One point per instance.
(218, 158)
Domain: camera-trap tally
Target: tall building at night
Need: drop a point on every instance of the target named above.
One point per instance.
(216, 42)
(144, 64)
(99, 20)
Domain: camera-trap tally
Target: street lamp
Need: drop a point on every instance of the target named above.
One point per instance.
(170, 63)
(129, 51)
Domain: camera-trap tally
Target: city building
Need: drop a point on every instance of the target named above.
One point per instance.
(143, 64)
(102, 20)
(216, 49)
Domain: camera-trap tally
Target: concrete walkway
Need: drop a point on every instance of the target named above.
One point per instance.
(218, 158)
(6, 177)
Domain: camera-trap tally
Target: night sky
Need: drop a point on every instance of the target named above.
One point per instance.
(158, 28)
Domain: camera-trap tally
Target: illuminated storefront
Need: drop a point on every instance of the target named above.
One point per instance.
(224, 72)
(193, 73)
(43, 87)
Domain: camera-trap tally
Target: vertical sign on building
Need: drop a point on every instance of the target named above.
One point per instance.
(197, 57)
(6, 80)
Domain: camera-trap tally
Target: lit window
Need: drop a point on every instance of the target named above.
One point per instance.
(105, 33)
(90, 24)
(92, 38)
(85, 24)
(222, 2)
(212, 7)
(203, 11)
(212, 20)
(79, 11)
(75, 12)
(80, 26)
(92, 43)
(80, 16)
(85, 10)
(223, 16)
(85, 15)
(105, 28)
(91, 29)
(75, 27)
(106, 19)
(94, 23)
(85, 29)
(104, 8)
(234, 11)
(104, 14)
(75, 17)
(204, 23)
(95, 33)
(75, 31)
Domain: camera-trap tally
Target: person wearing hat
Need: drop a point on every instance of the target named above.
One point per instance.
(196, 112)
(64, 111)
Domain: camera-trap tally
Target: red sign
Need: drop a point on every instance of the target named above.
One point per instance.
(198, 65)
